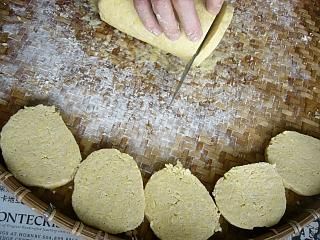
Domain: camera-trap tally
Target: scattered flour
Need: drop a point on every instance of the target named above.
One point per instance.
(86, 86)
(120, 102)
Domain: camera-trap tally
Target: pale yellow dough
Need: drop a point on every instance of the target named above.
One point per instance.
(297, 159)
(251, 196)
(179, 207)
(108, 192)
(39, 149)
(122, 15)
(216, 33)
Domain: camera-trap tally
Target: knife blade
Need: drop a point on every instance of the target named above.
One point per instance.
(187, 68)
(221, 21)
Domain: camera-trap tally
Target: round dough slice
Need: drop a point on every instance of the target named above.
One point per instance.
(179, 207)
(251, 196)
(297, 160)
(39, 149)
(108, 192)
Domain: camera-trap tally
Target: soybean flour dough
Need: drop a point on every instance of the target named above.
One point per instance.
(297, 159)
(108, 192)
(178, 206)
(122, 15)
(251, 196)
(38, 148)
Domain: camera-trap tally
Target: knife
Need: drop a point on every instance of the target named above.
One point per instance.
(226, 13)
(187, 69)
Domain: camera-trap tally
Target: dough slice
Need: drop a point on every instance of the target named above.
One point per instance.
(179, 207)
(251, 196)
(297, 159)
(108, 192)
(122, 15)
(39, 149)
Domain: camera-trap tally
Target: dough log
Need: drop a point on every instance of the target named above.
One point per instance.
(122, 15)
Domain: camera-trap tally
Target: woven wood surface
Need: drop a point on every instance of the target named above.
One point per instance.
(113, 91)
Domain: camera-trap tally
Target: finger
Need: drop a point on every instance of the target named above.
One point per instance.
(165, 15)
(214, 6)
(145, 12)
(188, 18)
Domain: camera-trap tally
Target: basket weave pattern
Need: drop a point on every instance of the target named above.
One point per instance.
(113, 90)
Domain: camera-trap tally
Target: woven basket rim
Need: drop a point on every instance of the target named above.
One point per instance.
(77, 228)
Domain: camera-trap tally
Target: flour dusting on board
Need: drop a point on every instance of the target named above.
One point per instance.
(93, 77)
(59, 57)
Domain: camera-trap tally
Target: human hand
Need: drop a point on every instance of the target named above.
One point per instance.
(159, 16)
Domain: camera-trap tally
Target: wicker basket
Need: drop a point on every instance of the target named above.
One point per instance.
(308, 213)
(112, 90)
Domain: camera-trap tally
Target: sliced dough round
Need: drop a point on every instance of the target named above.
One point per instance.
(39, 149)
(297, 160)
(108, 192)
(251, 196)
(178, 206)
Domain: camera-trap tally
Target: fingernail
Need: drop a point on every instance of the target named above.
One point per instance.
(216, 9)
(173, 36)
(194, 36)
(155, 31)
(212, 11)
